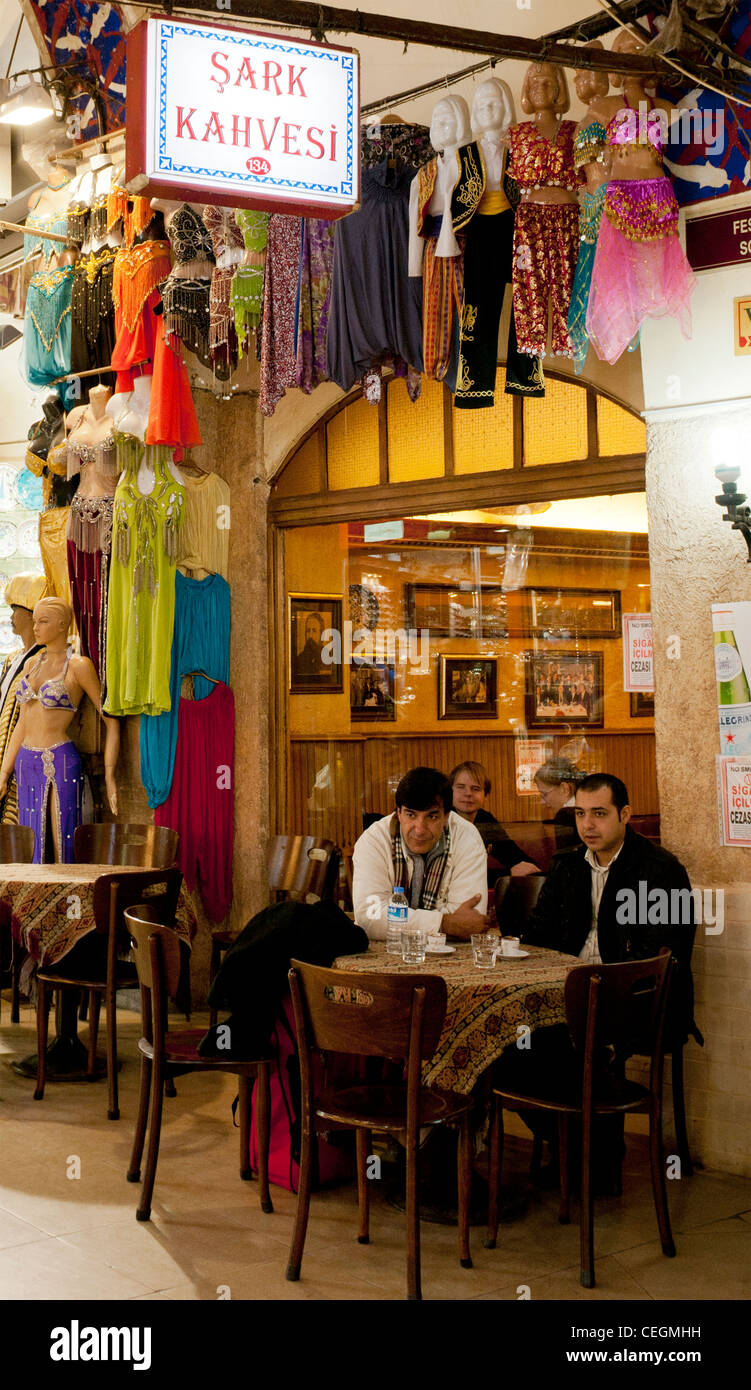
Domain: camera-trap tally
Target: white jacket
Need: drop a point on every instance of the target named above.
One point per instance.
(465, 876)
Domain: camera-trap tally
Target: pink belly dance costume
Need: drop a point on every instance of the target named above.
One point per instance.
(640, 269)
(38, 769)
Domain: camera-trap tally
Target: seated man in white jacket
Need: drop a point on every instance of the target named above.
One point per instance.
(427, 849)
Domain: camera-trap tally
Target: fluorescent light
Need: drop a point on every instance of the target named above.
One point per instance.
(26, 106)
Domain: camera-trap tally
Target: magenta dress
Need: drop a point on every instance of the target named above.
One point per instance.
(640, 269)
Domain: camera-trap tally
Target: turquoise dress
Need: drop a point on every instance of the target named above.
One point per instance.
(47, 326)
(589, 145)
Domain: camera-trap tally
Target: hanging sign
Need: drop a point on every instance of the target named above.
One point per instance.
(229, 116)
(734, 801)
(720, 238)
(638, 673)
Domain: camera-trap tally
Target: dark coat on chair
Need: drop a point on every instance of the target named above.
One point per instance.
(563, 917)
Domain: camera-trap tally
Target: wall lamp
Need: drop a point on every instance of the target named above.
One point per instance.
(734, 503)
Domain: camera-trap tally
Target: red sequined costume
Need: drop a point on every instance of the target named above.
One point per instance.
(546, 237)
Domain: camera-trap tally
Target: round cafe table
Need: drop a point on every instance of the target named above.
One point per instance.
(485, 1009)
(51, 910)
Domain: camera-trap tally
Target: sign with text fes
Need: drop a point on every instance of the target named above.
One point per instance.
(242, 119)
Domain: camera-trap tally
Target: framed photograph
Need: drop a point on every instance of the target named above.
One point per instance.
(467, 687)
(563, 688)
(313, 621)
(458, 611)
(371, 691)
(642, 704)
(567, 613)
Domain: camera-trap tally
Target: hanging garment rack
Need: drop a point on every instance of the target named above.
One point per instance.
(30, 231)
(96, 371)
(87, 146)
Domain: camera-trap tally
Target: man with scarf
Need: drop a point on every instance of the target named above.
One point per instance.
(425, 848)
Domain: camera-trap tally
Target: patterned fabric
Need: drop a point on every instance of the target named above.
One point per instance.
(485, 1008)
(246, 293)
(280, 305)
(38, 899)
(47, 326)
(642, 209)
(314, 293)
(546, 246)
(395, 140)
(443, 295)
(589, 145)
(38, 770)
(535, 161)
(590, 216)
(93, 312)
(435, 866)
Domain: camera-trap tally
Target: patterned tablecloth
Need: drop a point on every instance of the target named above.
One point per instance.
(484, 1009)
(51, 906)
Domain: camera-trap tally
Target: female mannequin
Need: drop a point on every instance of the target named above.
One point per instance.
(91, 452)
(640, 268)
(23, 591)
(185, 294)
(590, 154)
(546, 232)
(48, 210)
(47, 765)
(487, 220)
(434, 251)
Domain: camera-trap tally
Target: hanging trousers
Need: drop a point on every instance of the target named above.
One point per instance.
(488, 265)
(546, 249)
(200, 806)
(200, 642)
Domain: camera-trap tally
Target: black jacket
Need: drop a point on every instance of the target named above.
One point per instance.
(563, 916)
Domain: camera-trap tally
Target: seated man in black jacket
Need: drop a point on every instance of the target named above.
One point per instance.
(616, 897)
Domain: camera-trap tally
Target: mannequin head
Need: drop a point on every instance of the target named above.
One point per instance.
(492, 107)
(625, 43)
(450, 123)
(545, 89)
(589, 84)
(52, 618)
(21, 594)
(36, 153)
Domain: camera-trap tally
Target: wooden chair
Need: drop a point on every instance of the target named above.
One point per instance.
(607, 1006)
(112, 895)
(387, 1016)
(17, 844)
(166, 1054)
(299, 867)
(138, 846)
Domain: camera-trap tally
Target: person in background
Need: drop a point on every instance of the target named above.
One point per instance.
(428, 850)
(556, 783)
(470, 787)
(21, 594)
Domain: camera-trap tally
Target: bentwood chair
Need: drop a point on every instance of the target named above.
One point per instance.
(112, 895)
(300, 867)
(386, 1016)
(608, 1007)
(16, 847)
(166, 1054)
(138, 846)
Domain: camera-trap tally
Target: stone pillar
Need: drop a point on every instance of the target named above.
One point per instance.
(696, 560)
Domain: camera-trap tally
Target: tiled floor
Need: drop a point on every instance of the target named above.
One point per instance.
(68, 1229)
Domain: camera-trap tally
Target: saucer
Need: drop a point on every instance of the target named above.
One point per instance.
(512, 955)
(442, 950)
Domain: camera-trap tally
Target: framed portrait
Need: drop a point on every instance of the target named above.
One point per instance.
(371, 691)
(315, 636)
(567, 613)
(563, 688)
(467, 687)
(464, 611)
(642, 704)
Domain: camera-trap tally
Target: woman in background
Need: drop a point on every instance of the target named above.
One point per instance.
(556, 783)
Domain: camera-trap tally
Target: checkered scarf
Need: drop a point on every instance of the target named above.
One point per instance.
(434, 867)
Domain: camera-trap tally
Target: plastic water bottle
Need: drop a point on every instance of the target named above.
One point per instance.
(397, 921)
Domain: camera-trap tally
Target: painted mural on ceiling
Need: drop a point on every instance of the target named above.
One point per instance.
(88, 39)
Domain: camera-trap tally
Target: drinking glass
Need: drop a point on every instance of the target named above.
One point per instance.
(483, 950)
(414, 945)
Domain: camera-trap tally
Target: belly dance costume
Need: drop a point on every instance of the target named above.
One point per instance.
(228, 243)
(39, 769)
(546, 237)
(640, 269)
(246, 292)
(47, 326)
(186, 297)
(589, 145)
(89, 546)
(138, 272)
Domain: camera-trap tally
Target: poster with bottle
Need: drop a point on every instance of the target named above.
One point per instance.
(638, 671)
(734, 801)
(731, 625)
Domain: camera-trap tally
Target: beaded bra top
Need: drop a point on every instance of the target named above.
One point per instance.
(630, 127)
(589, 144)
(536, 162)
(81, 456)
(189, 237)
(226, 237)
(51, 694)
